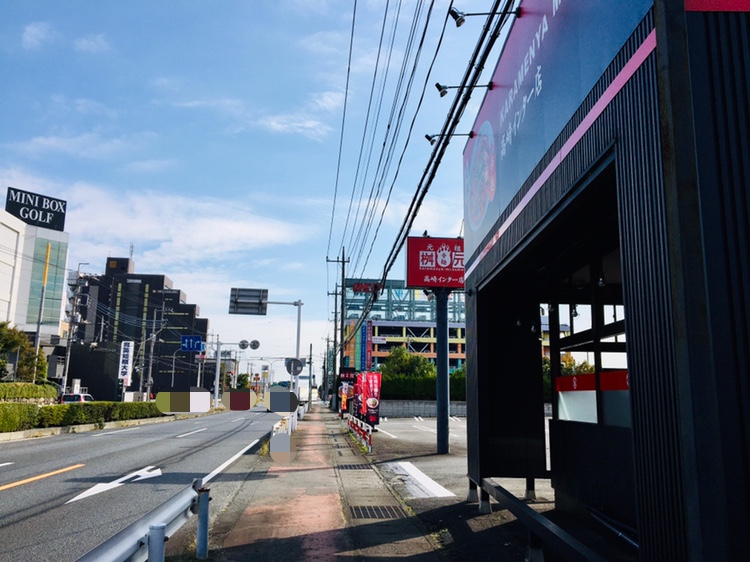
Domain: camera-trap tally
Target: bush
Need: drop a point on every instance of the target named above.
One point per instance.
(406, 387)
(52, 416)
(20, 390)
(17, 417)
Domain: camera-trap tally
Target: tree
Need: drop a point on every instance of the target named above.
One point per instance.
(13, 340)
(242, 380)
(401, 362)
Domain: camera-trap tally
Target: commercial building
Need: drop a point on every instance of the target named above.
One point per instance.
(399, 317)
(609, 175)
(32, 244)
(145, 310)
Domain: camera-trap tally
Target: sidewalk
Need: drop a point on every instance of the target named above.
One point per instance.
(329, 503)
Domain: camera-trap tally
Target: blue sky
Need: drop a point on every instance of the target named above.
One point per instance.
(208, 135)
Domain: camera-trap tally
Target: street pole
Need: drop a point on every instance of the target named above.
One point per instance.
(218, 371)
(37, 339)
(176, 351)
(71, 325)
(443, 380)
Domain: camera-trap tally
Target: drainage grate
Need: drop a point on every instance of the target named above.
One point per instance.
(359, 466)
(377, 512)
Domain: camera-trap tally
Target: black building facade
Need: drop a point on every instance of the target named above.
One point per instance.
(619, 180)
(123, 306)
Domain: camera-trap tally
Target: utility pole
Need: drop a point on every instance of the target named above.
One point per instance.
(336, 374)
(72, 325)
(333, 387)
(309, 379)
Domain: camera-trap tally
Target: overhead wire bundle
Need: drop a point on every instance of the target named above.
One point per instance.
(499, 14)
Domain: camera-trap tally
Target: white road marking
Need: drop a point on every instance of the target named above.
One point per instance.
(425, 428)
(227, 463)
(418, 418)
(389, 434)
(237, 419)
(454, 418)
(141, 474)
(112, 432)
(192, 432)
(425, 483)
(6, 463)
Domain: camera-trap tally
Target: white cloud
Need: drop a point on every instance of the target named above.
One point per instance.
(325, 43)
(304, 125)
(93, 44)
(36, 34)
(226, 105)
(328, 101)
(149, 166)
(87, 145)
(166, 83)
(172, 229)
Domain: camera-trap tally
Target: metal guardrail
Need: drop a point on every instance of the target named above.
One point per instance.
(144, 539)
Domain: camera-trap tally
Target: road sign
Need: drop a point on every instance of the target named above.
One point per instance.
(294, 366)
(190, 343)
(248, 301)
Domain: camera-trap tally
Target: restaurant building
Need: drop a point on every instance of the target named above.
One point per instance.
(609, 178)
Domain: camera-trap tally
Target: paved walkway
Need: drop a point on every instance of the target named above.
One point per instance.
(329, 503)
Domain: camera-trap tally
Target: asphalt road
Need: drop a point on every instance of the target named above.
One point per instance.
(63, 495)
(435, 486)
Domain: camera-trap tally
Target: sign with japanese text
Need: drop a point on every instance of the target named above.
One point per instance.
(434, 262)
(127, 351)
(554, 55)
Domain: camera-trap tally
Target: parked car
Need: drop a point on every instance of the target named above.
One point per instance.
(71, 398)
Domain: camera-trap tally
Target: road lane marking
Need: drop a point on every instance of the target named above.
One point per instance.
(427, 484)
(389, 434)
(418, 418)
(39, 477)
(237, 419)
(192, 432)
(213, 474)
(112, 432)
(6, 463)
(142, 474)
(425, 428)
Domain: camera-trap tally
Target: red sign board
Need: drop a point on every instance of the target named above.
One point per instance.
(717, 5)
(435, 262)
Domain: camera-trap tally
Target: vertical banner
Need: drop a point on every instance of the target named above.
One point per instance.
(127, 349)
(359, 396)
(371, 397)
(368, 347)
(362, 347)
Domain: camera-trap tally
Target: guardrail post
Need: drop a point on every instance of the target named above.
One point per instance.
(156, 542)
(201, 549)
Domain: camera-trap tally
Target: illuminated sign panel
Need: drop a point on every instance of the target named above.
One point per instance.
(554, 55)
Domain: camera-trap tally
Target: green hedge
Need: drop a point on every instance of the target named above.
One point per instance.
(406, 387)
(14, 390)
(17, 417)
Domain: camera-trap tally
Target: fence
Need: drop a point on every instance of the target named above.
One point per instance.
(362, 430)
(144, 539)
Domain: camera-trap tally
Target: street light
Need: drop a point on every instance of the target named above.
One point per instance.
(176, 351)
